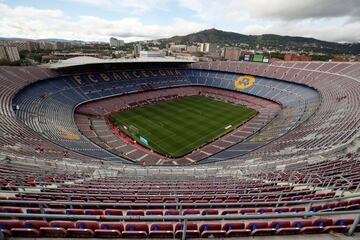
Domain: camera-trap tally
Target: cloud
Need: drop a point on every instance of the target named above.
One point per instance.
(332, 20)
(297, 10)
(331, 30)
(35, 23)
(136, 7)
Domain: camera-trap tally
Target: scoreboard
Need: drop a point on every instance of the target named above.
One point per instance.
(256, 58)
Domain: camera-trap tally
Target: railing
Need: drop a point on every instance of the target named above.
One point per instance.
(177, 204)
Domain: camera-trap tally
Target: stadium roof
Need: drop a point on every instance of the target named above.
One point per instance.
(84, 60)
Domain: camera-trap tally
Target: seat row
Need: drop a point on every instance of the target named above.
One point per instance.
(329, 206)
(89, 229)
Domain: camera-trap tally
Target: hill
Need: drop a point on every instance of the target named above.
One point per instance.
(271, 41)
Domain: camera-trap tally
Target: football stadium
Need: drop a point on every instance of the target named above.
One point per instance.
(180, 149)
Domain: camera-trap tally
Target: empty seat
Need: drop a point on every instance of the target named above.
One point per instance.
(56, 229)
(154, 212)
(74, 212)
(135, 213)
(247, 211)
(54, 211)
(317, 226)
(33, 210)
(260, 229)
(264, 210)
(31, 229)
(114, 212)
(135, 230)
(191, 230)
(297, 209)
(11, 210)
(109, 230)
(93, 212)
(282, 210)
(191, 212)
(340, 225)
(211, 230)
(7, 224)
(83, 229)
(172, 212)
(210, 212)
(228, 212)
(236, 229)
(283, 227)
(161, 230)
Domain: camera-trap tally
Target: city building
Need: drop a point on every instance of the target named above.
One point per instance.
(137, 50)
(231, 53)
(207, 47)
(293, 57)
(178, 48)
(152, 54)
(116, 42)
(192, 49)
(9, 53)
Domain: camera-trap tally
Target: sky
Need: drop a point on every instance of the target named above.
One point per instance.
(134, 20)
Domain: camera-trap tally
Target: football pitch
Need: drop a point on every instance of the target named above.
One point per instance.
(177, 127)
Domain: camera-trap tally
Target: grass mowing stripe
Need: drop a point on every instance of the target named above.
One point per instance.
(181, 125)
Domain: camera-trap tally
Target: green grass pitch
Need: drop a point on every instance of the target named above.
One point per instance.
(177, 127)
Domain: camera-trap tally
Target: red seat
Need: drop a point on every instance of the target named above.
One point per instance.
(316, 208)
(191, 230)
(135, 230)
(284, 228)
(56, 229)
(191, 212)
(84, 224)
(340, 225)
(80, 233)
(172, 212)
(297, 209)
(341, 206)
(54, 211)
(301, 224)
(114, 212)
(62, 224)
(327, 207)
(282, 210)
(11, 210)
(154, 212)
(228, 212)
(109, 230)
(74, 212)
(211, 230)
(33, 210)
(135, 213)
(260, 229)
(83, 229)
(210, 212)
(93, 212)
(25, 232)
(264, 210)
(37, 224)
(161, 230)
(236, 229)
(31, 229)
(6, 225)
(353, 204)
(247, 210)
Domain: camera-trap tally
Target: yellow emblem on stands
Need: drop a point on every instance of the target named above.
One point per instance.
(244, 82)
(67, 133)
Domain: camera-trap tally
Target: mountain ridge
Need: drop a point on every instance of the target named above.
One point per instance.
(272, 41)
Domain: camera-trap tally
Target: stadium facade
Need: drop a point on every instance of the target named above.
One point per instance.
(299, 154)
